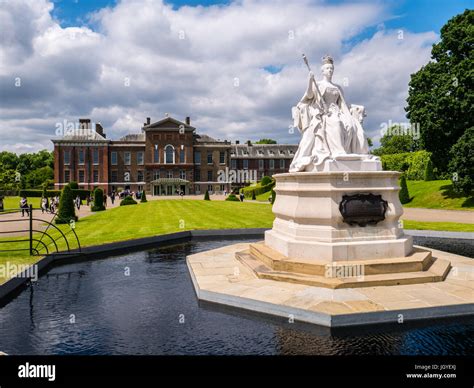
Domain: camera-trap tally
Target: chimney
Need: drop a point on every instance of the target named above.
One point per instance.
(99, 129)
(148, 121)
(237, 142)
(249, 143)
(84, 123)
(188, 120)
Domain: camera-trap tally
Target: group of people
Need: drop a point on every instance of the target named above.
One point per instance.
(47, 206)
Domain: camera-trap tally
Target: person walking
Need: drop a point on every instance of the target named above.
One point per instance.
(112, 197)
(44, 205)
(24, 207)
(2, 206)
(241, 197)
(78, 202)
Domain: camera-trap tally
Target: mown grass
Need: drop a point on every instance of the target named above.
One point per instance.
(437, 195)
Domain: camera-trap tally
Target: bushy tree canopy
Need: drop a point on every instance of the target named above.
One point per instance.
(441, 97)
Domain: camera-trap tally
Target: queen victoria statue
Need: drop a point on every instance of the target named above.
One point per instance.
(331, 131)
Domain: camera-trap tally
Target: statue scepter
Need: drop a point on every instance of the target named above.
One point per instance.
(315, 85)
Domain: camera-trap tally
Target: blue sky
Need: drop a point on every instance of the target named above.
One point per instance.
(412, 15)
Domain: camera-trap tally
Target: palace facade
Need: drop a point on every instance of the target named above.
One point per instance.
(166, 157)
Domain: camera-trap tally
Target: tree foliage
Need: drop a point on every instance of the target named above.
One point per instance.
(397, 140)
(404, 195)
(66, 211)
(441, 96)
(266, 141)
(461, 165)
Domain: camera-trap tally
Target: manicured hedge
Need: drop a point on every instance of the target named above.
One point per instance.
(9, 193)
(98, 204)
(52, 193)
(66, 211)
(250, 191)
(128, 200)
(412, 163)
(232, 197)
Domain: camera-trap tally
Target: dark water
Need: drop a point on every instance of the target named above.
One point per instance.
(154, 311)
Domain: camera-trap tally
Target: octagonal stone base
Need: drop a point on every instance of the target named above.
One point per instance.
(219, 277)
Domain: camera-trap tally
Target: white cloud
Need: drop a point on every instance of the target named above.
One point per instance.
(135, 65)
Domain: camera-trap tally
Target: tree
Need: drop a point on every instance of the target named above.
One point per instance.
(98, 200)
(461, 165)
(74, 185)
(206, 196)
(396, 140)
(254, 197)
(273, 196)
(266, 141)
(143, 197)
(66, 211)
(265, 180)
(440, 95)
(429, 173)
(404, 195)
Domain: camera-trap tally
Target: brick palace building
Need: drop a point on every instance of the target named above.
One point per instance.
(165, 157)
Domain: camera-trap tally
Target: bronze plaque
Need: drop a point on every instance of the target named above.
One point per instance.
(363, 209)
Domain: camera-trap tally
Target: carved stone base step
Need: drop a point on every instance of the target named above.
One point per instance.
(419, 267)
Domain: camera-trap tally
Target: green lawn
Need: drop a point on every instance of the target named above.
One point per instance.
(437, 195)
(14, 202)
(443, 226)
(264, 197)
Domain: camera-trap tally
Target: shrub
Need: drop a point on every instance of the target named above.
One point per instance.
(254, 197)
(258, 189)
(39, 193)
(273, 197)
(461, 165)
(404, 195)
(265, 180)
(66, 211)
(128, 200)
(413, 164)
(206, 196)
(429, 173)
(98, 204)
(143, 197)
(232, 197)
(74, 185)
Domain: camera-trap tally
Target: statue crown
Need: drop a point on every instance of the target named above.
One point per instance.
(328, 59)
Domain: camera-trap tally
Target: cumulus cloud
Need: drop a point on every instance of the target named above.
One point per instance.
(143, 58)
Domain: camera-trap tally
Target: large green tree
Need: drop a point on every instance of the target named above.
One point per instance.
(397, 140)
(440, 96)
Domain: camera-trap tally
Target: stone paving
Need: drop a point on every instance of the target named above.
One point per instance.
(220, 278)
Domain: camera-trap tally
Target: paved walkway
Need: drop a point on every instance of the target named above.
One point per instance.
(436, 215)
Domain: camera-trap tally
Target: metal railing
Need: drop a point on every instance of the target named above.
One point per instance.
(39, 241)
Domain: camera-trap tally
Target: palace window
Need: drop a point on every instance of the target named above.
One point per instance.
(67, 176)
(95, 157)
(114, 176)
(95, 176)
(127, 157)
(156, 175)
(169, 174)
(260, 164)
(209, 158)
(140, 158)
(246, 164)
(81, 176)
(182, 174)
(140, 176)
(282, 164)
(197, 157)
(209, 176)
(272, 164)
(67, 157)
(233, 164)
(156, 154)
(81, 156)
(197, 175)
(181, 155)
(169, 154)
(222, 157)
(113, 158)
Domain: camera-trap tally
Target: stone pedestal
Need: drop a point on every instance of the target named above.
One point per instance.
(309, 223)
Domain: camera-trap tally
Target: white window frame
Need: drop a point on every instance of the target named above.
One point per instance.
(164, 152)
(129, 158)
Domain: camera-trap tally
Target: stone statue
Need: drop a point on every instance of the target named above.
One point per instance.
(330, 130)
